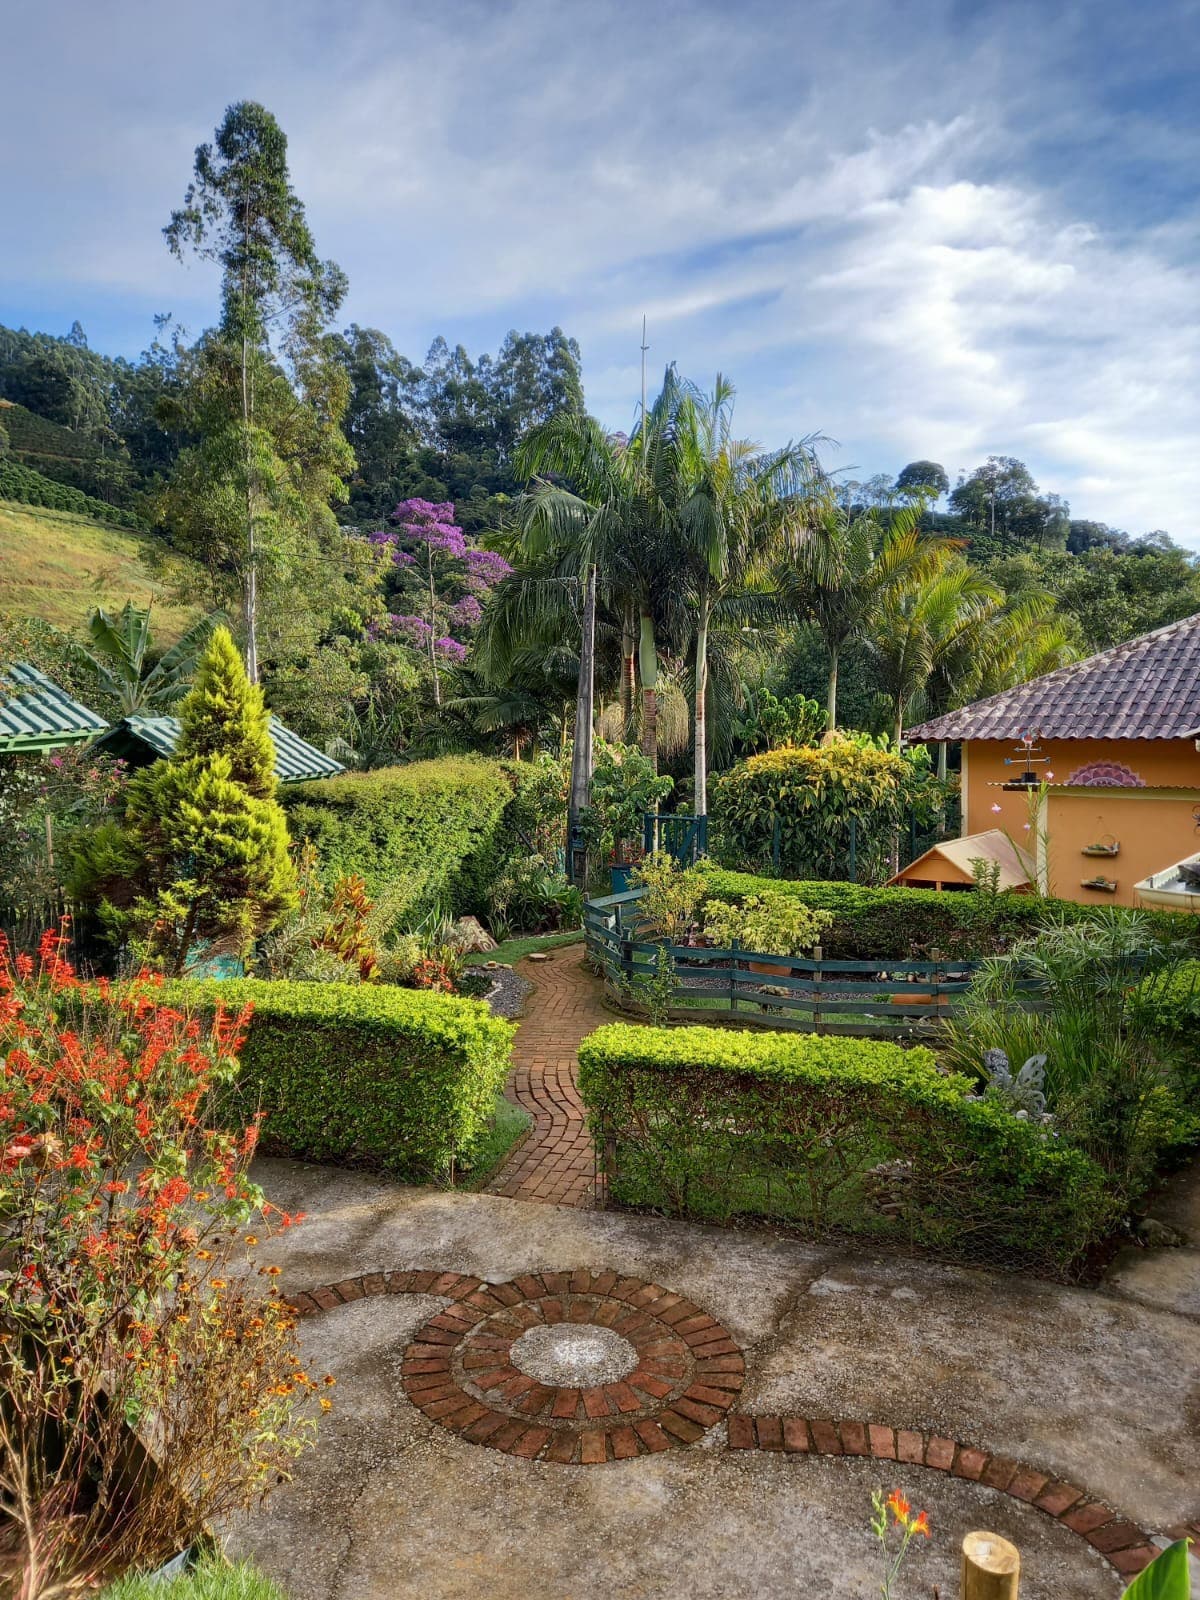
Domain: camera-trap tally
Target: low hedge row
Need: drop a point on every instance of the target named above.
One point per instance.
(32, 488)
(870, 923)
(429, 825)
(834, 1135)
(397, 1079)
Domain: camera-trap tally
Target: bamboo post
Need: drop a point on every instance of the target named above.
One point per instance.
(991, 1567)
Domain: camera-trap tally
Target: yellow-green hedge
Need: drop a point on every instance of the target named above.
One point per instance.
(837, 1136)
(401, 1080)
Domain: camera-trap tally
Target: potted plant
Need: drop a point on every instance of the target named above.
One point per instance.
(770, 923)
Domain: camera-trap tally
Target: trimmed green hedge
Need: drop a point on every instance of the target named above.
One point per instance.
(433, 825)
(837, 1136)
(401, 1080)
(908, 923)
(32, 488)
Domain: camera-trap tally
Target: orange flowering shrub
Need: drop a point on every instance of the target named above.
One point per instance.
(150, 1382)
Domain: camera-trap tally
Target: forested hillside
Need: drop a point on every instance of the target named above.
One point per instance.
(402, 545)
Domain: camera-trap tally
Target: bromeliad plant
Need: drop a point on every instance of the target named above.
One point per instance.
(151, 1383)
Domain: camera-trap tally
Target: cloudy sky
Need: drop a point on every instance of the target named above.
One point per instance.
(941, 228)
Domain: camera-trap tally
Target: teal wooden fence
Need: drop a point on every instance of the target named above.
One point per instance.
(883, 997)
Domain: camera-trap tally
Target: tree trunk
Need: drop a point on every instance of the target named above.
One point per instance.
(831, 694)
(628, 687)
(581, 755)
(251, 596)
(648, 669)
(700, 718)
(943, 747)
(437, 684)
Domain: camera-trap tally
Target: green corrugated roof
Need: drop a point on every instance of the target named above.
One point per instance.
(35, 714)
(295, 759)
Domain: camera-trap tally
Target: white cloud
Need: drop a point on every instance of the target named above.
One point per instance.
(930, 230)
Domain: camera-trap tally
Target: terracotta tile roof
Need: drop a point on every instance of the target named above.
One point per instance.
(1147, 688)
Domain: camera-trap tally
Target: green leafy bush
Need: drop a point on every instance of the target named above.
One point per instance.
(909, 923)
(396, 1079)
(835, 1135)
(32, 488)
(1111, 1075)
(1171, 1000)
(774, 923)
(435, 825)
(797, 804)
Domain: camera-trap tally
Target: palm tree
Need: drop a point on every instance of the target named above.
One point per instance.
(736, 507)
(842, 571)
(617, 515)
(115, 659)
(924, 623)
(949, 635)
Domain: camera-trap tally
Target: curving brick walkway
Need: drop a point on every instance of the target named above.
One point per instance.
(556, 1163)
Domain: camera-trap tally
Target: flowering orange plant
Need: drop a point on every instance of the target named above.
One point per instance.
(895, 1513)
(132, 1332)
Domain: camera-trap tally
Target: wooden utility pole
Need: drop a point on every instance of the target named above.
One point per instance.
(645, 347)
(581, 754)
(991, 1567)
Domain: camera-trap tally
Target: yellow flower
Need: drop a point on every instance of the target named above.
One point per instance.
(326, 1405)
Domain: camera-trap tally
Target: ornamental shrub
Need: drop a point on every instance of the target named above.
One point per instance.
(797, 804)
(130, 1309)
(834, 1135)
(400, 1080)
(869, 924)
(223, 714)
(433, 825)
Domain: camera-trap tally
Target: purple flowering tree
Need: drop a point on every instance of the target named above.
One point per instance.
(445, 578)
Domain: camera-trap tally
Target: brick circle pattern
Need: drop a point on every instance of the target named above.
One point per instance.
(686, 1370)
(683, 1414)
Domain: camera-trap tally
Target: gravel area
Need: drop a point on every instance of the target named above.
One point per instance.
(506, 997)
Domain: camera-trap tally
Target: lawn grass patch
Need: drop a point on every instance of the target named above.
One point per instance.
(60, 567)
(514, 950)
(508, 1127)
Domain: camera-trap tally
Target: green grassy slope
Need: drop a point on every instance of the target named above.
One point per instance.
(59, 567)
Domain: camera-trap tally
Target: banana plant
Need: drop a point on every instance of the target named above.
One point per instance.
(1168, 1576)
(114, 658)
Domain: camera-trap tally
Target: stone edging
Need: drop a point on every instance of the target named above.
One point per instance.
(689, 1373)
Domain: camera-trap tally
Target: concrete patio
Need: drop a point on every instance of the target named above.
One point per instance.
(1086, 1387)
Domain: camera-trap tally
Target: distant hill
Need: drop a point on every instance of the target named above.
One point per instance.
(59, 566)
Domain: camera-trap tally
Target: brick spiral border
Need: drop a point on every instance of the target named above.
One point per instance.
(458, 1369)
(1122, 1543)
(587, 1427)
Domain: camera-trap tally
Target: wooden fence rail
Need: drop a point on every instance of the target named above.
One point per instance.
(808, 993)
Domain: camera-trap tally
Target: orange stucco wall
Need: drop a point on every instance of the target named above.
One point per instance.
(1154, 826)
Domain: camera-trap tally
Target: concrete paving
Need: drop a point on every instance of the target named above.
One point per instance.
(1099, 1390)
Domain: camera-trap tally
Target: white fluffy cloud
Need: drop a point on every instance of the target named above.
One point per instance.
(936, 230)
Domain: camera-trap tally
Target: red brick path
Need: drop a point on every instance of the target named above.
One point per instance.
(556, 1162)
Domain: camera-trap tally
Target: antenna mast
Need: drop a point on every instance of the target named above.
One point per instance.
(645, 347)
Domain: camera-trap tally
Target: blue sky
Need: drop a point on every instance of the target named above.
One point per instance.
(935, 228)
